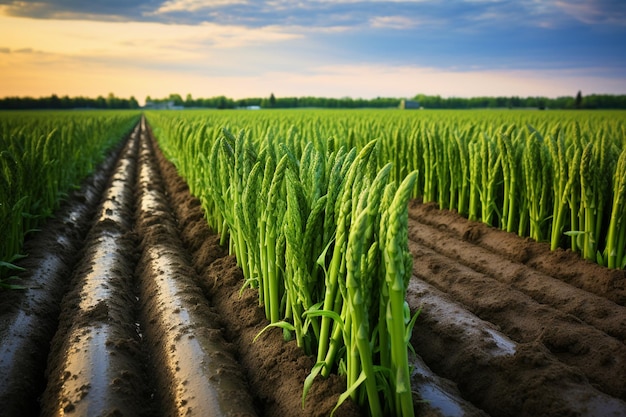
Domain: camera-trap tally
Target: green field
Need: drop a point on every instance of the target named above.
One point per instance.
(43, 155)
(313, 203)
(556, 176)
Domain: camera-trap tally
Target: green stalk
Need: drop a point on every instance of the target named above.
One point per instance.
(556, 146)
(332, 278)
(587, 175)
(463, 152)
(617, 224)
(271, 236)
(474, 180)
(398, 271)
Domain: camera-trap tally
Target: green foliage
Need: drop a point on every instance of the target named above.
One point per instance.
(314, 205)
(304, 221)
(43, 156)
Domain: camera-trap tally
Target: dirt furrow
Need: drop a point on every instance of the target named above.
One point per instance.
(592, 309)
(560, 264)
(507, 285)
(601, 357)
(95, 368)
(438, 396)
(495, 373)
(29, 318)
(196, 373)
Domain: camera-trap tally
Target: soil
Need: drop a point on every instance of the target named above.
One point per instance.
(133, 308)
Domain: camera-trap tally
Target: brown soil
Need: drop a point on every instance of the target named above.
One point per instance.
(520, 329)
(154, 321)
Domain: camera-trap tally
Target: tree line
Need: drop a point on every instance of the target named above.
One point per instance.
(273, 102)
(66, 102)
(592, 101)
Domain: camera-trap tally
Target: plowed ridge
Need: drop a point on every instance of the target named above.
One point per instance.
(515, 325)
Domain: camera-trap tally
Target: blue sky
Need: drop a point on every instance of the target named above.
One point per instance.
(338, 48)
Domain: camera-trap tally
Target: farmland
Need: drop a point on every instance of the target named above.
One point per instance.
(175, 268)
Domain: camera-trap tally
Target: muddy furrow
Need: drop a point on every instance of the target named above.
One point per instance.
(196, 373)
(599, 356)
(495, 373)
(590, 308)
(29, 318)
(563, 265)
(95, 368)
(437, 396)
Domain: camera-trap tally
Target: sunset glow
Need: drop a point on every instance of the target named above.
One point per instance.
(315, 48)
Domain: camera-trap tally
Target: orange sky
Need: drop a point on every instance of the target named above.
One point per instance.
(91, 57)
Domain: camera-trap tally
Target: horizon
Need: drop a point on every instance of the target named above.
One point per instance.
(316, 48)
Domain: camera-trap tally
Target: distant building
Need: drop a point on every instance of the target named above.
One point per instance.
(167, 105)
(409, 105)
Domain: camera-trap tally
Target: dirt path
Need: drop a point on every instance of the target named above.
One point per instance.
(135, 309)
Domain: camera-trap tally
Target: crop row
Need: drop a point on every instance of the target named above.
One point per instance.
(322, 234)
(42, 156)
(558, 177)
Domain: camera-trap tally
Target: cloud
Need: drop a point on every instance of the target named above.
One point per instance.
(74, 76)
(230, 44)
(88, 38)
(595, 11)
(114, 10)
(393, 22)
(195, 5)
(390, 14)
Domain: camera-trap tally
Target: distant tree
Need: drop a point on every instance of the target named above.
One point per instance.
(176, 99)
(189, 101)
(134, 104)
(272, 100)
(579, 100)
(222, 102)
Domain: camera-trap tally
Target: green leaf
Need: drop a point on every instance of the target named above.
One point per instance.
(252, 282)
(6, 285)
(349, 392)
(409, 327)
(324, 313)
(308, 381)
(576, 233)
(11, 266)
(281, 324)
(321, 260)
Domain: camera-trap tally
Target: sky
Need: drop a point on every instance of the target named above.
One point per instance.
(323, 48)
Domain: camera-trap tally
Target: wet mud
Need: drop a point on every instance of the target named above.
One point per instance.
(133, 308)
(516, 332)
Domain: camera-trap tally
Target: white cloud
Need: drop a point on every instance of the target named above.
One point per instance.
(195, 5)
(594, 12)
(393, 22)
